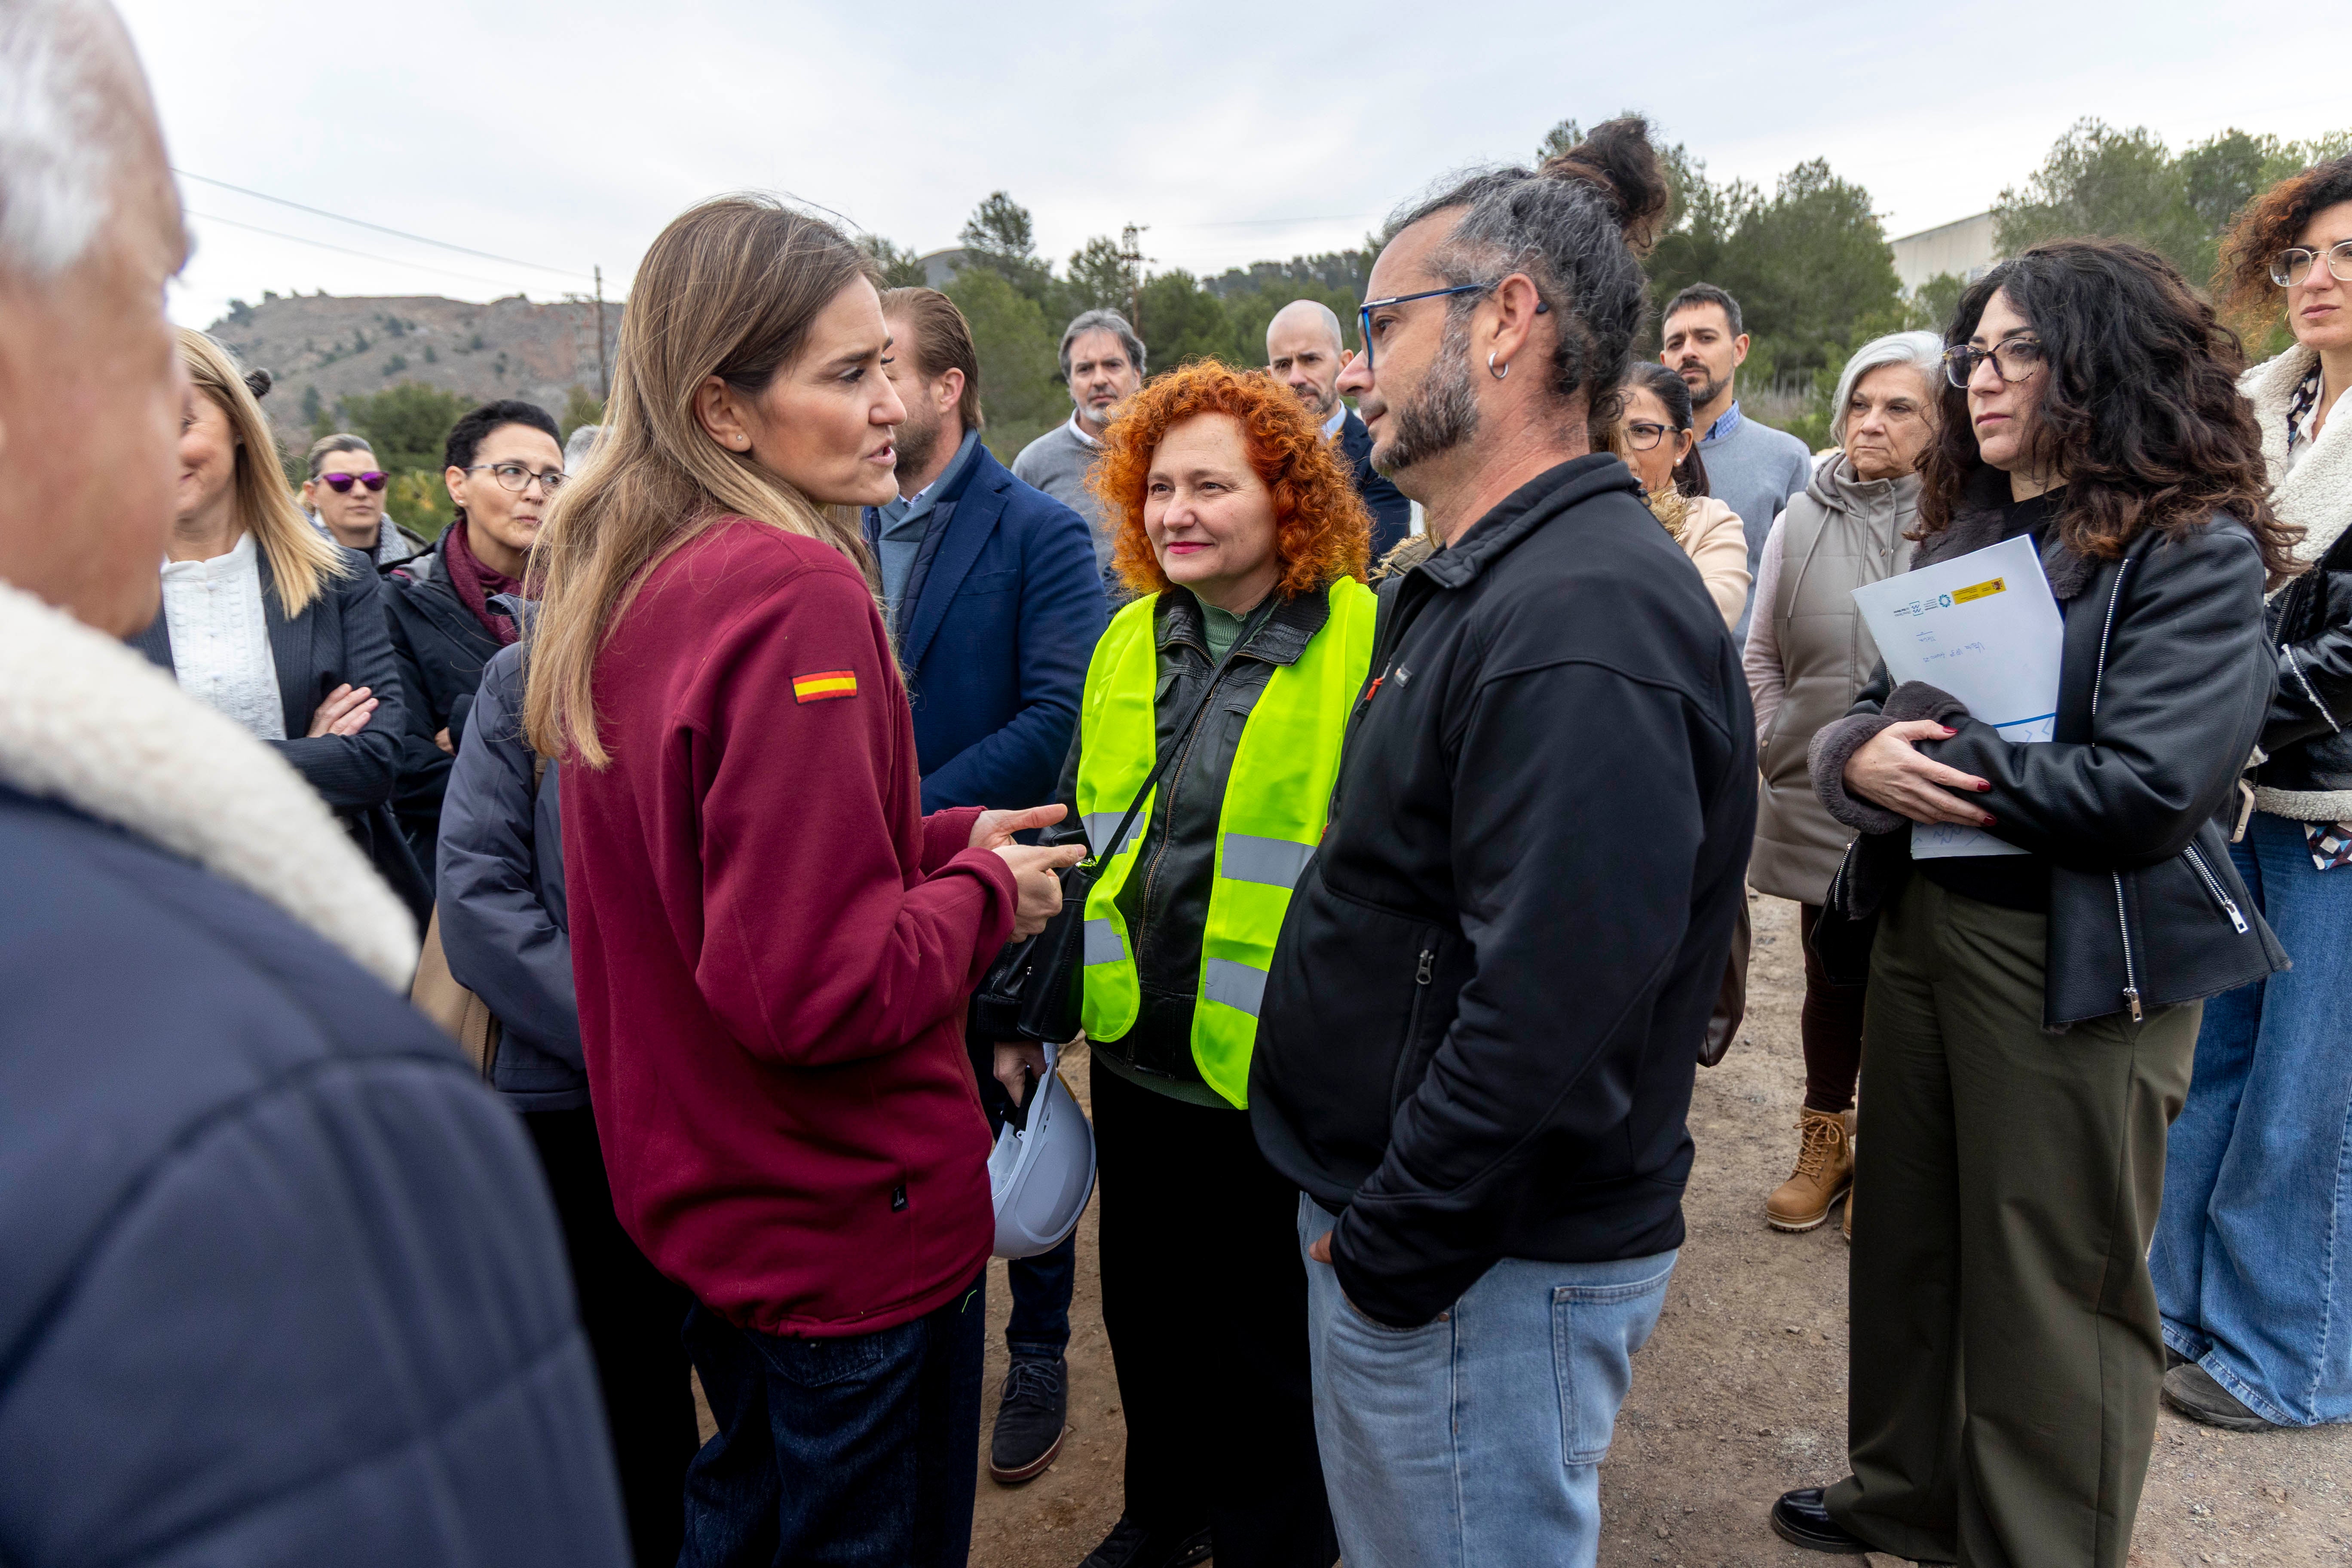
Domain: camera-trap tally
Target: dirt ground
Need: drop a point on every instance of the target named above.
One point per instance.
(1741, 1394)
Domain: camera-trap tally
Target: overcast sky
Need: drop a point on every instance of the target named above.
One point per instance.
(565, 135)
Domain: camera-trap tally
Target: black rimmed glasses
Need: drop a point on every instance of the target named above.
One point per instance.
(2290, 267)
(1643, 435)
(2014, 360)
(517, 476)
(1364, 312)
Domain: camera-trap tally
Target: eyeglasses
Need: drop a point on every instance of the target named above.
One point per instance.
(1643, 435)
(342, 483)
(2014, 360)
(1364, 312)
(517, 476)
(2290, 267)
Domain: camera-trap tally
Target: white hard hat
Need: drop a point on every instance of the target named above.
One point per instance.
(1042, 1176)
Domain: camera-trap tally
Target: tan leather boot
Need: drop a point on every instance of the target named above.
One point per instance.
(1851, 1142)
(1824, 1170)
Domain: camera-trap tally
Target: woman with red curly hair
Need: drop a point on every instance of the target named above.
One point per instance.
(2257, 1189)
(1214, 709)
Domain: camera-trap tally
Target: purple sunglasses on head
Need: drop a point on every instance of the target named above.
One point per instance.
(342, 483)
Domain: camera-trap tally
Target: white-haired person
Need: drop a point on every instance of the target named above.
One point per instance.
(1808, 654)
(283, 1285)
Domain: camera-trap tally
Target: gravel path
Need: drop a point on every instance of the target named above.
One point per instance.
(1741, 1394)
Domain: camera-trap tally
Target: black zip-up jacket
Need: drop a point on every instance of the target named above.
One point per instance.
(1165, 901)
(1478, 1038)
(441, 648)
(2309, 737)
(2163, 686)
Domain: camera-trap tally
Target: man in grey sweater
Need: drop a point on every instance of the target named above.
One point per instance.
(1102, 362)
(1752, 468)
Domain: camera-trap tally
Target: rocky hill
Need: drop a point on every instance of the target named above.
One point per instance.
(321, 349)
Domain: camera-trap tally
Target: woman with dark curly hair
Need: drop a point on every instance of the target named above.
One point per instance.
(2257, 1190)
(2032, 1014)
(1240, 529)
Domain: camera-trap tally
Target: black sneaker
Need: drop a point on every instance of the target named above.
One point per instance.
(1130, 1545)
(1030, 1416)
(2193, 1390)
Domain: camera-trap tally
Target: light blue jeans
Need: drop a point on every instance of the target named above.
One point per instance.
(2252, 1258)
(1475, 1441)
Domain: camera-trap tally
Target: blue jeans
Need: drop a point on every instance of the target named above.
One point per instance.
(1475, 1441)
(2254, 1254)
(861, 1451)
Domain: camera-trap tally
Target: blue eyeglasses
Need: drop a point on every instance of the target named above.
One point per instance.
(1364, 312)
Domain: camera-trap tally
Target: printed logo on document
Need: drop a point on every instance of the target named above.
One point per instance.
(1946, 601)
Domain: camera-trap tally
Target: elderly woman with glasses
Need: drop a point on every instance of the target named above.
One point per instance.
(503, 464)
(1808, 655)
(2248, 1266)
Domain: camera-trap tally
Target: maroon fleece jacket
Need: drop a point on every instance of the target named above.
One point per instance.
(773, 948)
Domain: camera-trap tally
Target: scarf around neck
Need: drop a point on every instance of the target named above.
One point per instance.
(476, 582)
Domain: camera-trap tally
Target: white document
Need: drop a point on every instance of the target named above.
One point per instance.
(1984, 627)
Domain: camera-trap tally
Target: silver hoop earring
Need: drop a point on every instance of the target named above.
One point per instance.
(1498, 374)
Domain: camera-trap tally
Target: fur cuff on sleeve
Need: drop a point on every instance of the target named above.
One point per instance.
(1833, 746)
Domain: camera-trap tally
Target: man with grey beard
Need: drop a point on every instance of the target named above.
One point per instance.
(1477, 1041)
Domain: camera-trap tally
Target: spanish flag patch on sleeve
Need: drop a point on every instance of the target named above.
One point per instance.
(825, 685)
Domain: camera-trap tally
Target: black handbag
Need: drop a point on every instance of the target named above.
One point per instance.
(1033, 989)
(1842, 939)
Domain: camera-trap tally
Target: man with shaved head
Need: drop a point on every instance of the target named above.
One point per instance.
(282, 1283)
(1303, 347)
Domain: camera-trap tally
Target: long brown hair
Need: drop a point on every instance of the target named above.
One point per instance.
(302, 561)
(729, 289)
(2139, 408)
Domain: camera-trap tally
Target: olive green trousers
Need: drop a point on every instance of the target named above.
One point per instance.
(2006, 1355)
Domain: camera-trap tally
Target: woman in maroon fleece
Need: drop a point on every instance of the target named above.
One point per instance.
(772, 947)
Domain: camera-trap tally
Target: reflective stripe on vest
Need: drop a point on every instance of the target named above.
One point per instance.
(1268, 824)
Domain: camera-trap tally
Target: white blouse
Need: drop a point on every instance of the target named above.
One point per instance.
(220, 637)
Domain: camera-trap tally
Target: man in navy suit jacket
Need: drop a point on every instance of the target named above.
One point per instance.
(993, 593)
(1303, 348)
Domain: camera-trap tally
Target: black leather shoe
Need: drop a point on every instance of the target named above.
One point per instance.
(1800, 1520)
(1130, 1545)
(1030, 1416)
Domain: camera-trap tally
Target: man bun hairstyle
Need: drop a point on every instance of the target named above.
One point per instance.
(1578, 227)
(940, 342)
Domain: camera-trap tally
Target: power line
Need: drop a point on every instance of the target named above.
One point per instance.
(347, 250)
(362, 223)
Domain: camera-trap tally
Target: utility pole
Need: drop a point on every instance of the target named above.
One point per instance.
(1130, 251)
(603, 380)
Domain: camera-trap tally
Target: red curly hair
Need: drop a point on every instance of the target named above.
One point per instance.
(1321, 530)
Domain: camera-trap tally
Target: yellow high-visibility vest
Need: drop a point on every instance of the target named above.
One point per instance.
(1269, 824)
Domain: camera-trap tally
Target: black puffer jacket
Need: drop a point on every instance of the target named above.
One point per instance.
(2307, 739)
(1167, 905)
(2163, 686)
(1479, 1033)
(441, 647)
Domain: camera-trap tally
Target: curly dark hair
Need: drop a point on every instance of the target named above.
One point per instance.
(2270, 222)
(1321, 530)
(2139, 406)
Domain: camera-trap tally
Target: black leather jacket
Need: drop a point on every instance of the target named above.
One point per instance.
(1165, 901)
(2308, 746)
(2163, 688)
